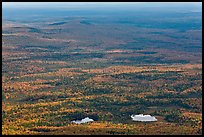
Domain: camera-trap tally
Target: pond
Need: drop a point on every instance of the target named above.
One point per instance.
(143, 118)
(85, 120)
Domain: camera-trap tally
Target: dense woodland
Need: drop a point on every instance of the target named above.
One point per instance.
(54, 72)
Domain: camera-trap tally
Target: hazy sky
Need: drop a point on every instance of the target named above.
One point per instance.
(93, 4)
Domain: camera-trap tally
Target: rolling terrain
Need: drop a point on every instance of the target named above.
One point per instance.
(59, 66)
